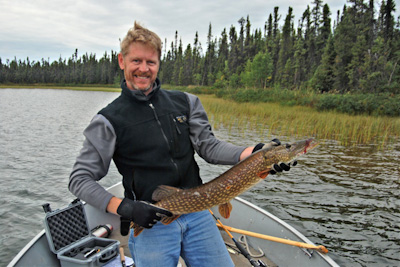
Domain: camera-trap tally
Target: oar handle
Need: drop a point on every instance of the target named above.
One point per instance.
(321, 249)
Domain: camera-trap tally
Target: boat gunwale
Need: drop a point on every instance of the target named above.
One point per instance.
(290, 228)
(26, 248)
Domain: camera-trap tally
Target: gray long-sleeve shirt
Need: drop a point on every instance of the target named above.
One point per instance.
(94, 160)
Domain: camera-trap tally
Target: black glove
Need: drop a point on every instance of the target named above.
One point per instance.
(141, 212)
(282, 167)
(272, 143)
(277, 167)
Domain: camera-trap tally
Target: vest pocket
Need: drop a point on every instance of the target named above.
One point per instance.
(180, 133)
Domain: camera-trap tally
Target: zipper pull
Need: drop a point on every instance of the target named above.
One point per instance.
(176, 126)
(154, 112)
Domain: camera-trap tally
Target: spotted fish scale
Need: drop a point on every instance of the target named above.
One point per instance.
(228, 185)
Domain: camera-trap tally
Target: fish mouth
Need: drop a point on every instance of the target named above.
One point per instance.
(302, 147)
(311, 143)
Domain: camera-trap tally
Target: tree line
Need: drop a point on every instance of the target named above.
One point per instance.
(86, 69)
(358, 52)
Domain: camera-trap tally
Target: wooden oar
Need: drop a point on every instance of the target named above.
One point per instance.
(321, 249)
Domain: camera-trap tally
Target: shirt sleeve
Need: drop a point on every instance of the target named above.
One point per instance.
(203, 139)
(93, 163)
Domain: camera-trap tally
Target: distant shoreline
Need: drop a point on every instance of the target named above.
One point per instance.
(292, 120)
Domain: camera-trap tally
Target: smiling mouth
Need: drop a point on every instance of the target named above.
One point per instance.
(141, 77)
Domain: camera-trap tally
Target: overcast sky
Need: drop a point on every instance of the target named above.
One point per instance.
(52, 28)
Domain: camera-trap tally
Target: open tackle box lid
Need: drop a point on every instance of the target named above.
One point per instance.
(68, 234)
(66, 226)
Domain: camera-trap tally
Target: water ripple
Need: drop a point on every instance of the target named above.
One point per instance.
(344, 198)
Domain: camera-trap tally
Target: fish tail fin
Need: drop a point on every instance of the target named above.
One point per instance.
(167, 220)
(137, 229)
(163, 191)
(225, 210)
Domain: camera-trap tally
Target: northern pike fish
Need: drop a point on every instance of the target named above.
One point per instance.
(228, 185)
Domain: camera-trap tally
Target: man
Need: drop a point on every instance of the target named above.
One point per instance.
(151, 134)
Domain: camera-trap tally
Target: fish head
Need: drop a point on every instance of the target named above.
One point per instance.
(288, 152)
(296, 149)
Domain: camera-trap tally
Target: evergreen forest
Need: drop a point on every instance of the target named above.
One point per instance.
(340, 56)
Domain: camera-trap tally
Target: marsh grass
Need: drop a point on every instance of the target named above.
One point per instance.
(271, 120)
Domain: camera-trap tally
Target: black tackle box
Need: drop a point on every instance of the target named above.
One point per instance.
(69, 237)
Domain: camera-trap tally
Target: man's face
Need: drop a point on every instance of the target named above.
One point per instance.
(140, 66)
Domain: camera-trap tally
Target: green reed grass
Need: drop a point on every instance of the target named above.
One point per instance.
(270, 120)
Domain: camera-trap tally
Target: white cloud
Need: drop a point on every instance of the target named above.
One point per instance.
(48, 29)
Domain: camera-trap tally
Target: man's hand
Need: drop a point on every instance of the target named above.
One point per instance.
(282, 167)
(141, 212)
(277, 167)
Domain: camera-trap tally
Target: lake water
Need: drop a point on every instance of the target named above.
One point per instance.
(346, 199)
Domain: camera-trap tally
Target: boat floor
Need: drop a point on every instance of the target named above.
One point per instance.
(237, 258)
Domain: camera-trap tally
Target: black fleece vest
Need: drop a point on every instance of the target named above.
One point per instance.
(153, 145)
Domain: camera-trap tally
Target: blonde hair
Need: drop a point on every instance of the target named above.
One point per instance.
(140, 34)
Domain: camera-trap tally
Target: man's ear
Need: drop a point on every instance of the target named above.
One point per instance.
(121, 61)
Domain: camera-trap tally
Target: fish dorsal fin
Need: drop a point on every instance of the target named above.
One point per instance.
(163, 191)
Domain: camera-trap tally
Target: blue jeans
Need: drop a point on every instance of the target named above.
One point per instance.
(193, 236)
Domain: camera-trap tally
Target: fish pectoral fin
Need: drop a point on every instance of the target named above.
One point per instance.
(225, 210)
(163, 191)
(263, 174)
(167, 220)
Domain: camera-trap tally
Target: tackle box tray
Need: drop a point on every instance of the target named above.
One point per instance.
(69, 237)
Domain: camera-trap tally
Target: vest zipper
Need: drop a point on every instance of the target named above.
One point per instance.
(163, 133)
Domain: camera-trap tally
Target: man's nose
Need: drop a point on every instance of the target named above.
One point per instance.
(143, 66)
